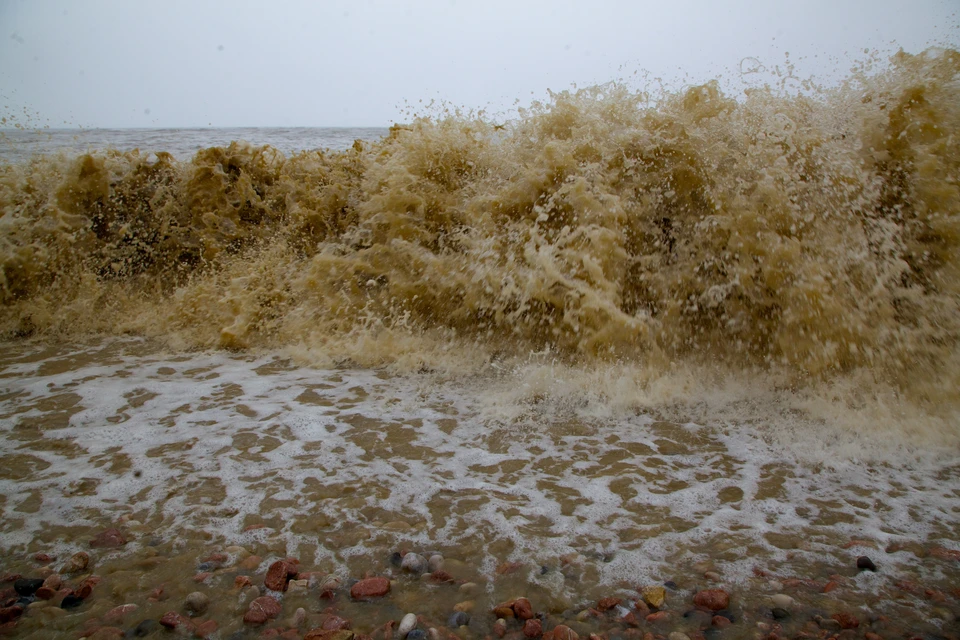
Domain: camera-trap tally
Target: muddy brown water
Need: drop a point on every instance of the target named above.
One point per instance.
(193, 454)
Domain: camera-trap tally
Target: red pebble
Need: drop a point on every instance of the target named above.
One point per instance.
(11, 613)
(721, 622)
(206, 629)
(712, 599)
(44, 558)
(846, 620)
(608, 603)
(117, 613)
(532, 628)
(109, 539)
(203, 576)
(242, 581)
(658, 616)
(335, 623)
(45, 593)
(370, 588)
(261, 610)
(441, 577)
(279, 574)
(563, 632)
(173, 620)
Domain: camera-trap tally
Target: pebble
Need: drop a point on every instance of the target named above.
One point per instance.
(173, 620)
(261, 610)
(458, 619)
(53, 581)
(414, 563)
(865, 563)
(279, 574)
(654, 595)
(70, 602)
(779, 613)
(563, 632)
(676, 635)
(500, 627)
(407, 623)
(108, 539)
(77, 563)
(533, 628)
(298, 586)
(27, 586)
(435, 563)
(117, 614)
(712, 599)
(782, 600)
(145, 628)
(712, 576)
(417, 634)
(196, 603)
(370, 588)
(469, 587)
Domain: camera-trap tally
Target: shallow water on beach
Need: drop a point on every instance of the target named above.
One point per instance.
(190, 454)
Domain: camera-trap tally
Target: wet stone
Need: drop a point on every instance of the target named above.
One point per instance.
(77, 563)
(71, 602)
(417, 634)
(435, 563)
(866, 564)
(196, 603)
(396, 558)
(458, 619)
(779, 613)
(370, 588)
(533, 628)
(407, 623)
(279, 574)
(27, 586)
(712, 599)
(414, 563)
(108, 539)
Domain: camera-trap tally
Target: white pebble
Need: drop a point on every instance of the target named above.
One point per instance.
(782, 600)
(407, 624)
(676, 635)
(435, 563)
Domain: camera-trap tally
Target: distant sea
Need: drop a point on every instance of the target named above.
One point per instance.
(19, 145)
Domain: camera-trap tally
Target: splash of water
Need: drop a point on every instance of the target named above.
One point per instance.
(810, 239)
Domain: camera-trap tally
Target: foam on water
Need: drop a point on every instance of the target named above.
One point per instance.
(219, 442)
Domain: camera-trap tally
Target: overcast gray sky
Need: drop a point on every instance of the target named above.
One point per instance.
(229, 63)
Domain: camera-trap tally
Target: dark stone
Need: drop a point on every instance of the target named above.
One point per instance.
(700, 617)
(396, 558)
(458, 619)
(544, 570)
(27, 586)
(863, 562)
(26, 601)
(726, 614)
(670, 584)
(71, 602)
(417, 634)
(779, 613)
(207, 566)
(145, 628)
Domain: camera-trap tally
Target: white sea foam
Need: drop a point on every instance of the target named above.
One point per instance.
(216, 440)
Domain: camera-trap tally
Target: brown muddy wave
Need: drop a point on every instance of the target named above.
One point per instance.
(815, 236)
